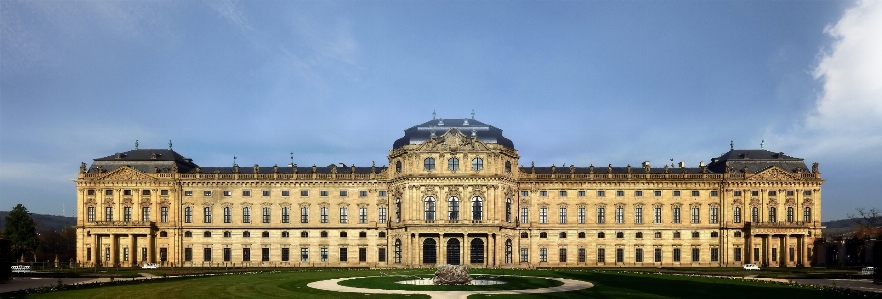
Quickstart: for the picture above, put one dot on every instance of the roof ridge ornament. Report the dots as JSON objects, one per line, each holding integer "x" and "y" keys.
{"x": 763, "y": 144}
{"x": 169, "y": 144}
{"x": 473, "y": 113}
{"x": 136, "y": 143}
{"x": 731, "y": 145}
{"x": 433, "y": 114}
{"x": 440, "y": 121}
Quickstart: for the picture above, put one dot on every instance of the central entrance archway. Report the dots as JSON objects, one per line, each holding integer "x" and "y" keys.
{"x": 430, "y": 252}
{"x": 453, "y": 257}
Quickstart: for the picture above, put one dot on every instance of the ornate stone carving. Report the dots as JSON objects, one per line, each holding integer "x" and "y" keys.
{"x": 773, "y": 173}
{"x": 126, "y": 173}
{"x": 90, "y": 202}
{"x": 125, "y": 202}
{"x": 755, "y": 202}
{"x": 145, "y": 202}
{"x": 108, "y": 201}
{"x": 452, "y": 275}
{"x": 453, "y": 141}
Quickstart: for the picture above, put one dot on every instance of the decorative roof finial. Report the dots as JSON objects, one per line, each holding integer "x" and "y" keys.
{"x": 762, "y": 144}
{"x": 292, "y": 158}
{"x": 169, "y": 144}
{"x": 234, "y": 161}
{"x": 731, "y": 144}
{"x": 473, "y": 113}
{"x": 136, "y": 144}
{"x": 433, "y": 114}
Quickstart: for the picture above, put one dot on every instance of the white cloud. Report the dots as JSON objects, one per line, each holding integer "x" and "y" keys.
{"x": 847, "y": 119}
{"x": 228, "y": 10}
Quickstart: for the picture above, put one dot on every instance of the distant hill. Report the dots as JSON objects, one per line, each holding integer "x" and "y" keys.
{"x": 842, "y": 223}
{"x": 44, "y": 222}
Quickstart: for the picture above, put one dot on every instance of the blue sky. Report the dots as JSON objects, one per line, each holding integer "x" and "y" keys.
{"x": 575, "y": 82}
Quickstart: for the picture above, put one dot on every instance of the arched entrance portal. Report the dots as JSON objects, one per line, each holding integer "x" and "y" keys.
{"x": 430, "y": 252}
{"x": 453, "y": 252}
{"x": 477, "y": 251}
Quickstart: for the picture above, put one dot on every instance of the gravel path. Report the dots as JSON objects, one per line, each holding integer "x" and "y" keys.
{"x": 333, "y": 285}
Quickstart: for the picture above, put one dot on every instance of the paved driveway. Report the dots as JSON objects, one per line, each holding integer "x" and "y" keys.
{"x": 854, "y": 284}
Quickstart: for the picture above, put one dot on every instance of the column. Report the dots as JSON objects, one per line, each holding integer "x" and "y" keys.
{"x": 767, "y": 250}
{"x": 442, "y": 250}
{"x": 151, "y": 248}
{"x": 467, "y": 248}
{"x": 800, "y": 256}
{"x": 495, "y": 251}
{"x": 96, "y": 248}
{"x": 747, "y": 256}
{"x": 133, "y": 250}
{"x": 114, "y": 250}
{"x": 487, "y": 253}
{"x": 785, "y": 250}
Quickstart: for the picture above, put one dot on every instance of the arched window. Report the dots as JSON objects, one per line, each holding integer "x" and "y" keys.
{"x": 382, "y": 235}
{"x": 562, "y": 235}
{"x": 477, "y": 164}
{"x": 477, "y": 251}
{"x": 397, "y": 251}
{"x": 620, "y": 235}
{"x": 507, "y": 166}
{"x": 508, "y": 210}
{"x": 601, "y": 235}
{"x": 163, "y": 234}
{"x": 508, "y": 249}
{"x": 715, "y": 234}
{"x": 738, "y": 234}
{"x": 304, "y": 234}
{"x": 807, "y": 214}
{"x": 264, "y": 234}
{"x": 581, "y": 235}
{"x": 206, "y": 234}
{"x": 676, "y": 235}
{"x": 477, "y": 208}
{"x": 429, "y": 163}
{"x": 285, "y": 234}
{"x": 343, "y": 235}
{"x": 228, "y": 234}
{"x": 696, "y": 235}
{"x": 362, "y": 234}
{"x": 323, "y": 234}
{"x": 398, "y": 166}
{"x": 246, "y": 234}
{"x": 188, "y": 234}
{"x": 524, "y": 235}
{"x": 543, "y": 235}
{"x": 398, "y": 210}
{"x": 453, "y": 208}
{"x": 639, "y": 235}
{"x": 430, "y": 208}
{"x": 430, "y": 251}
{"x": 453, "y": 164}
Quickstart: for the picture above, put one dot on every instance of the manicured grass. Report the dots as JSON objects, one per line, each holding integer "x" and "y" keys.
{"x": 292, "y": 284}
{"x": 512, "y": 283}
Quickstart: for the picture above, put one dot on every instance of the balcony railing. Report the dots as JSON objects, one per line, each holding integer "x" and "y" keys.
{"x": 123, "y": 223}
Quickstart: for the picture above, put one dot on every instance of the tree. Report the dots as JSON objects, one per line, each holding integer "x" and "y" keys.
{"x": 866, "y": 224}
{"x": 21, "y": 231}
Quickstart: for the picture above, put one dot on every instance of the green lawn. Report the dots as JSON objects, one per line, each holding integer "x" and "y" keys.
{"x": 292, "y": 284}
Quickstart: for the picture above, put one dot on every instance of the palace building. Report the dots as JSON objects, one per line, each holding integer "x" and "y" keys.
{"x": 453, "y": 193}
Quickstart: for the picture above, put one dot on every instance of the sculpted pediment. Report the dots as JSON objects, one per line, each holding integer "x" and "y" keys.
{"x": 126, "y": 173}
{"x": 774, "y": 173}
{"x": 452, "y": 141}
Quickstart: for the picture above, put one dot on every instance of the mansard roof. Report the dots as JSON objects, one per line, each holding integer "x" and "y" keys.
{"x": 288, "y": 169}
{"x": 755, "y": 160}
{"x": 144, "y": 160}
{"x": 615, "y": 170}
{"x": 421, "y": 133}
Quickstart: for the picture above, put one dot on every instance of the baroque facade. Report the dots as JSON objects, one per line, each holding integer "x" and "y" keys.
{"x": 453, "y": 193}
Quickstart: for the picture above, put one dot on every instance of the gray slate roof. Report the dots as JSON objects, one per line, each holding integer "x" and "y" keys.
{"x": 484, "y": 132}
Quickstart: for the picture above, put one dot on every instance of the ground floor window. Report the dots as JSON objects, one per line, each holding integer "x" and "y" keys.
{"x": 430, "y": 253}
{"x": 715, "y": 254}
{"x": 286, "y": 254}
{"x": 206, "y": 254}
{"x": 344, "y": 254}
{"x": 657, "y": 255}
{"x": 638, "y": 255}
{"x": 477, "y": 251}
{"x": 525, "y": 255}
{"x": 676, "y": 255}
{"x": 381, "y": 254}
{"x": 543, "y": 255}
{"x": 228, "y": 254}
{"x": 774, "y": 254}
{"x": 791, "y": 254}
{"x": 362, "y": 254}
{"x": 601, "y": 255}
{"x": 304, "y": 254}
{"x": 246, "y": 254}
{"x": 756, "y": 254}
{"x": 562, "y": 255}
{"x": 581, "y": 255}
{"x": 620, "y": 255}
{"x": 508, "y": 253}
{"x": 264, "y": 254}
{"x": 323, "y": 254}
{"x": 737, "y": 254}
{"x": 696, "y": 254}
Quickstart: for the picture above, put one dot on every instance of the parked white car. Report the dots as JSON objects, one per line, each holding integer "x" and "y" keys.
{"x": 150, "y": 266}
{"x": 21, "y": 269}
{"x": 751, "y": 267}
{"x": 868, "y": 271}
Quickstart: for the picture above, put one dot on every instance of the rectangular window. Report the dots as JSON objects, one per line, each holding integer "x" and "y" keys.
{"x": 774, "y": 254}
{"x": 323, "y": 193}
{"x": 657, "y": 193}
{"x": 638, "y": 193}
{"x": 543, "y": 215}
{"x": 90, "y": 192}
{"x": 304, "y": 192}
{"x": 736, "y": 255}
{"x": 228, "y": 254}
{"x": 344, "y": 193}
{"x": 657, "y": 255}
{"x": 108, "y": 192}
{"x": 562, "y": 255}
{"x": 163, "y": 214}
{"x": 266, "y": 215}
{"x": 362, "y": 254}
{"x": 695, "y": 193}
{"x": 304, "y": 254}
{"x": 676, "y": 255}
{"x": 188, "y": 254}
{"x": 601, "y": 193}
{"x": 127, "y": 192}
{"x": 714, "y": 217}
{"x": 791, "y": 253}
{"x": 756, "y": 254}
{"x": 581, "y": 193}
{"x": 382, "y": 215}
{"x": 620, "y": 255}
{"x": 638, "y": 255}
{"x": 581, "y": 255}
{"x": 620, "y": 215}
{"x": 657, "y": 215}
{"x": 127, "y": 214}
{"x": 145, "y": 214}
{"x": 163, "y": 192}
{"x": 145, "y": 192}
{"x": 228, "y": 193}
{"x": 715, "y": 254}
{"x": 108, "y": 214}
{"x": 695, "y": 215}
{"x": 344, "y": 215}
{"x": 188, "y": 193}
{"x": 246, "y": 215}
{"x": 525, "y": 193}
{"x": 696, "y": 254}
{"x": 285, "y": 215}
{"x": 382, "y": 193}
{"x": 381, "y": 254}
{"x": 304, "y": 215}
{"x": 206, "y": 193}
{"x": 563, "y": 215}
{"x": 676, "y": 193}
{"x": 323, "y": 254}
{"x": 206, "y": 254}
{"x": 246, "y": 193}
{"x": 601, "y": 215}
{"x": 525, "y": 255}
{"x": 525, "y": 213}
{"x": 754, "y": 193}
{"x": 736, "y": 215}
{"x": 736, "y": 193}
{"x": 714, "y": 193}
{"x": 362, "y": 193}
{"x": 562, "y": 193}
{"x": 126, "y": 254}
{"x": 362, "y": 215}
{"x": 638, "y": 215}
{"x": 620, "y": 193}
{"x": 344, "y": 254}
{"x": 91, "y": 214}
{"x": 207, "y": 215}
{"x": 543, "y": 193}
{"x": 143, "y": 254}
{"x": 286, "y": 193}
{"x": 773, "y": 193}
{"x": 581, "y": 215}
{"x": 286, "y": 254}
{"x": 807, "y": 193}
{"x": 543, "y": 255}
{"x": 601, "y": 255}
{"x": 676, "y": 215}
